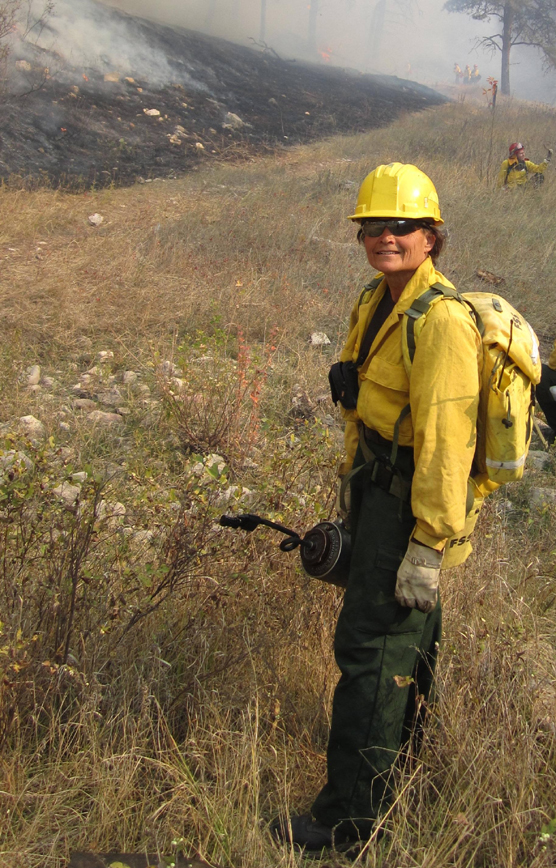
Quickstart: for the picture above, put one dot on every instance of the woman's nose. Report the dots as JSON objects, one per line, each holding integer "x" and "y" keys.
{"x": 386, "y": 234}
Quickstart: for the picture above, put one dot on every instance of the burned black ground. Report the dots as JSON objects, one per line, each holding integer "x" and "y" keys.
{"x": 79, "y": 128}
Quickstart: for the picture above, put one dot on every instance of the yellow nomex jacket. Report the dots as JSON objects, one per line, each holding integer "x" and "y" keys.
{"x": 443, "y": 395}
{"x": 516, "y": 176}
{"x": 552, "y": 359}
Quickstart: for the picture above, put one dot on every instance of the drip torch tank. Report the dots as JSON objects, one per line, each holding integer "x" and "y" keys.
{"x": 325, "y": 550}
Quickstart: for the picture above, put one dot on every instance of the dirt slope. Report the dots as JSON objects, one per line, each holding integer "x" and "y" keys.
{"x": 90, "y": 123}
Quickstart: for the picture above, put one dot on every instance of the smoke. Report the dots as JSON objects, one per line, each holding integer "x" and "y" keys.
{"x": 413, "y": 39}
{"x": 417, "y": 39}
{"x": 89, "y": 35}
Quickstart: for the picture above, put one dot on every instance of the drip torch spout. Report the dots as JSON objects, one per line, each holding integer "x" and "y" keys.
{"x": 249, "y": 522}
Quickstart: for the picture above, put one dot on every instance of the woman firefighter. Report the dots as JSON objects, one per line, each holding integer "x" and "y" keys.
{"x": 409, "y": 446}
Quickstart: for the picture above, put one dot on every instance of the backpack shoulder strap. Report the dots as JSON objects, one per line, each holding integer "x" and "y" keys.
{"x": 368, "y": 289}
{"x": 420, "y": 307}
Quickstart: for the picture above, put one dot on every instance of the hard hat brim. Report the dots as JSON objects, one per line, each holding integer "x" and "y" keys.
{"x": 395, "y": 215}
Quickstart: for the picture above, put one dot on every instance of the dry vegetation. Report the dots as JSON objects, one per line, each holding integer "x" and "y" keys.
{"x": 166, "y": 684}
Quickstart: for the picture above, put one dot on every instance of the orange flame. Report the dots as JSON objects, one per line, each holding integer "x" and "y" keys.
{"x": 326, "y": 54}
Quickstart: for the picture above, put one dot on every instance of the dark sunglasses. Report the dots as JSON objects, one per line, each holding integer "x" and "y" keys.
{"x": 375, "y": 228}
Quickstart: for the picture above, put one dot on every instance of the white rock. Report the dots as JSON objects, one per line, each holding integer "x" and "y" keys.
{"x": 63, "y": 426}
{"x": 538, "y": 460}
{"x": 106, "y": 419}
{"x": 106, "y": 509}
{"x": 152, "y": 113}
{"x": 33, "y": 375}
{"x": 112, "y": 397}
{"x": 32, "y": 427}
{"x": 169, "y": 369}
{"x": 14, "y": 459}
{"x": 215, "y": 461}
{"x": 80, "y": 477}
{"x": 105, "y": 355}
{"x": 319, "y": 339}
{"x": 228, "y": 494}
{"x": 96, "y": 219}
{"x": 233, "y": 121}
{"x": 67, "y": 493}
{"x": 143, "y": 536}
{"x": 542, "y": 496}
{"x": 92, "y": 372}
{"x": 129, "y": 378}
{"x": 48, "y": 382}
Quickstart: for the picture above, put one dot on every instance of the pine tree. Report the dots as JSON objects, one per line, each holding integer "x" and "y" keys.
{"x": 520, "y": 22}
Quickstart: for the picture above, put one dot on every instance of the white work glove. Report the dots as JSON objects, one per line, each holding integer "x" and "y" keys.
{"x": 344, "y": 511}
{"x": 418, "y": 575}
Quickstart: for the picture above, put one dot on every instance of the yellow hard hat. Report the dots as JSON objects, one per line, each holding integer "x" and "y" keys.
{"x": 397, "y": 190}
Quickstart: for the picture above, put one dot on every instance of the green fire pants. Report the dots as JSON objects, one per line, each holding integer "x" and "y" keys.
{"x": 376, "y": 640}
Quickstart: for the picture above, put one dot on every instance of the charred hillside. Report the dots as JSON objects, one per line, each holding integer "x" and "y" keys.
{"x": 161, "y": 100}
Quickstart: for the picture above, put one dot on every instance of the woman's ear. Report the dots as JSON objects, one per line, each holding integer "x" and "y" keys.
{"x": 431, "y": 239}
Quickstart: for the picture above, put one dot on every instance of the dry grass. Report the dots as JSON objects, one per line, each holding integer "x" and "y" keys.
{"x": 189, "y": 701}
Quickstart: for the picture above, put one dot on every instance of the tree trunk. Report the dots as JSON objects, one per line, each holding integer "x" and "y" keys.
{"x": 506, "y": 46}
{"x": 312, "y": 35}
{"x": 262, "y": 34}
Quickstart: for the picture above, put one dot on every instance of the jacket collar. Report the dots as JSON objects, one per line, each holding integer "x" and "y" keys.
{"x": 420, "y": 281}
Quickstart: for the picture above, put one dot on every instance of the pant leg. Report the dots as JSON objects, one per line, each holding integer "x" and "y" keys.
{"x": 545, "y": 399}
{"x": 376, "y": 640}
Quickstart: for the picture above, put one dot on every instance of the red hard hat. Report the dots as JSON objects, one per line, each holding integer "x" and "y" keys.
{"x": 515, "y": 146}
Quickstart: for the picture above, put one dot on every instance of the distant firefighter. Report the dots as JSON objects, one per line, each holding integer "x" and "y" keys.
{"x": 467, "y": 75}
{"x": 516, "y": 170}
{"x": 458, "y": 73}
{"x": 475, "y": 74}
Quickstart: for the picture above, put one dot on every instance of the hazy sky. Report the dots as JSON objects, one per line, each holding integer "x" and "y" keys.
{"x": 416, "y": 32}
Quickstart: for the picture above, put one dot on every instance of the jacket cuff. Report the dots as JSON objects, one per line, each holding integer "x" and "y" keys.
{"x": 432, "y": 542}
{"x": 345, "y": 467}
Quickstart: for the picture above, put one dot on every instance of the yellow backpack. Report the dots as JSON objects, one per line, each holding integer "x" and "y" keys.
{"x": 511, "y": 369}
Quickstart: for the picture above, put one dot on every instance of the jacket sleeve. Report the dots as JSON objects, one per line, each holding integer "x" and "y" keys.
{"x": 534, "y": 167}
{"x": 501, "y": 180}
{"x": 351, "y": 430}
{"x": 444, "y": 399}
{"x": 552, "y": 359}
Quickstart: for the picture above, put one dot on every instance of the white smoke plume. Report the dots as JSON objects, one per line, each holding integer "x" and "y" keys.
{"x": 86, "y": 34}
{"x": 413, "y": 39}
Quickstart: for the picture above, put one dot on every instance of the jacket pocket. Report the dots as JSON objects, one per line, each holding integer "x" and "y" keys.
{"x": 388, "y": 375}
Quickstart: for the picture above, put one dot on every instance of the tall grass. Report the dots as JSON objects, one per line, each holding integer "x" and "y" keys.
{"x": 166, "y": 683}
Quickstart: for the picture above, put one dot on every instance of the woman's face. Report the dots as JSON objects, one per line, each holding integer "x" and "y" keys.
{"x": 397, "y": 255}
